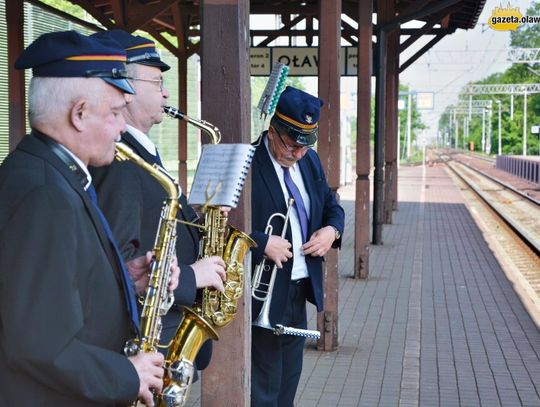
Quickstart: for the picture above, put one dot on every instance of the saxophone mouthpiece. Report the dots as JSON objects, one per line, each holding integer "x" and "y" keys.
{"x": 174, "y": 112}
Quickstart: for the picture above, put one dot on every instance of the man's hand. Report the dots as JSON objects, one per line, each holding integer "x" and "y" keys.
{"x": 139, "y": 270}
{"x": 224, "y": 210}
{"x": 320, "y": 242}
{"x": 210, "y": 272}
{"x": 278, "y": 250}
{"x": 175, "y": 275}
{"x": 149, "y": 367}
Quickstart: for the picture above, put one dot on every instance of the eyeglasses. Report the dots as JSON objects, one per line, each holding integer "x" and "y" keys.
{"x": 159, "y": 81}
{"x": 291, "y": 149}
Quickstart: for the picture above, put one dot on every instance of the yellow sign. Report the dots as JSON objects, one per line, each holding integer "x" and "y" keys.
{"x": 505, "y": 19}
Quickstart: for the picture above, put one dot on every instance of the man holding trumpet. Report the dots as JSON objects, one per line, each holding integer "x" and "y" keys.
{"x": 285, "y": 167}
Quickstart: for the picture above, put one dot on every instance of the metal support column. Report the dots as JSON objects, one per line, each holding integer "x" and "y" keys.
{"x": 395, "y": 150}
{"x": 363, "y": 129}
{"x": 381, "y": 94}
{"x": 390, "y": 135}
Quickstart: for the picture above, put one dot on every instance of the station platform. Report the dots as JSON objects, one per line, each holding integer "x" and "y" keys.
{"x": 437, "y": 323}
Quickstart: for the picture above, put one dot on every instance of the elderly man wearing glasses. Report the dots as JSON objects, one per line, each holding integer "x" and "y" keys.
{"x": 132, "y": 199}
{"x": 285, "y": 166}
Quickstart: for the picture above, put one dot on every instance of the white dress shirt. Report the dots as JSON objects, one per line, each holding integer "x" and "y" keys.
{"x": 81, "y": 164}
{"x": 299, "y": 269}
{"x": 143, "y": 139}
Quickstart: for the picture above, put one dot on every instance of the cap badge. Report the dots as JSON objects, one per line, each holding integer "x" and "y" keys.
{"x": 308, "y": 119}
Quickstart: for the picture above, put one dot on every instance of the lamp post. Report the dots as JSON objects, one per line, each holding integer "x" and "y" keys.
{"x": 409, "y": 123}
{"x": 488, "y": 138}
{"x": 499, "y": 150}
{"x": 484, "y": 129}
{"x": 525, "y": 123}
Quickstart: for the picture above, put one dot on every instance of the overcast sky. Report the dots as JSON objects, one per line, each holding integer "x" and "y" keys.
{"x": 466, "y": 55}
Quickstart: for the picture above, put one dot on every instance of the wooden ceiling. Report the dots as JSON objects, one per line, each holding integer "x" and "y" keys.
{"x": 180, "y": 19}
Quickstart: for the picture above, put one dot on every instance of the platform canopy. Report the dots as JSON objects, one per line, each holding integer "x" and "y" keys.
{"x": 181, "y": 18}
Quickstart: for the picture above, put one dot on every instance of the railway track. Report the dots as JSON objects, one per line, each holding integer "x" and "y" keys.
{"x": 513, "y": 217}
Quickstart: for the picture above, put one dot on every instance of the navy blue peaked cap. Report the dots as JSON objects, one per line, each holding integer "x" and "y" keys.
{"x": 300, "y": 112}
{"x": 68, "y": 54}
{"x": 139, "y": 50}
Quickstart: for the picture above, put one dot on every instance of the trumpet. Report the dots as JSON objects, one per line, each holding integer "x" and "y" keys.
{"x": 263, "y": 291}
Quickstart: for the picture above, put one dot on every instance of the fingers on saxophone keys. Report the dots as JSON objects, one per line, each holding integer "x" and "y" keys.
{"x": 156, "y": 382}
{"x": 220, "y": 261}
{"x": 220, "y": 267}
{"x": 147, "y": 398}
{"x": 218, "y": 285}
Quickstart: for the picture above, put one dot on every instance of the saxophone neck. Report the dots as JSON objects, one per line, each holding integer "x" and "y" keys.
{"x": 212, "y": 131}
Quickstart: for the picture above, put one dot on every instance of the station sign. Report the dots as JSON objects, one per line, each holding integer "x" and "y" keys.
{"x": 425, "y": 100}
{"x": 302, "y": 61}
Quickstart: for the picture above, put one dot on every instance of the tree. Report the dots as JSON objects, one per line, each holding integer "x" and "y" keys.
{"x": 416, "y": 122}
{"x": 67, "y": 7}
{"x": 527, "y": 35}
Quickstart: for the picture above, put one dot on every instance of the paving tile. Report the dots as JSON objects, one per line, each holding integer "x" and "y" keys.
{"x": 436, "y": 323}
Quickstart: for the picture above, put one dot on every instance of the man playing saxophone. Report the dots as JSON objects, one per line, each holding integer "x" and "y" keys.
{"x": 132, "y": 199}
{"x": 61, "y": 275}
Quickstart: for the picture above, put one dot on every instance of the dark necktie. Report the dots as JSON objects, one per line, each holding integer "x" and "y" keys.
{"x": 126, "y": 280}
{"x": 298, "y": 202}
{"x": 158, "y": 159}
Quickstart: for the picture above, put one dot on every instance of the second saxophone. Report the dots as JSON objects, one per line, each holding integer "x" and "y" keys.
{"x": 215, "y": 309}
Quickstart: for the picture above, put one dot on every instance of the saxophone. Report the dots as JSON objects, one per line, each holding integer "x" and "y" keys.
{"x": 215, "y": 309}
{"x": 158, "y": 299}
